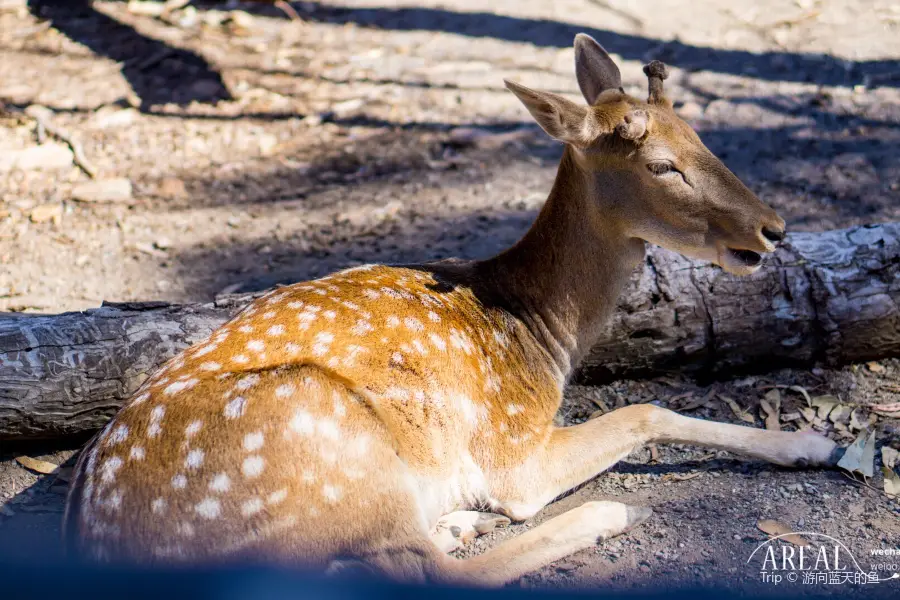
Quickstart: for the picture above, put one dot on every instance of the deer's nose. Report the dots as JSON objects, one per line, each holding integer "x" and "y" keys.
{"x": 773, "y": 235}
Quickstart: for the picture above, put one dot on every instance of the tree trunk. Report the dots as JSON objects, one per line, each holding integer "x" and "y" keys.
{"x": 826, "y": 297}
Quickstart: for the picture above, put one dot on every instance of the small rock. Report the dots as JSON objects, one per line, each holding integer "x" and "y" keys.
{"x": 267, "y": 144}
{"x": 46, "y": 212}
{"x": 172, "y": 187}
{"x": 45, "y": 157}
{"x": 103, "y": 190}
{"x": 345, "y": 108}
{"x": 112, "y": 117}
{"x": 163, "y": 243}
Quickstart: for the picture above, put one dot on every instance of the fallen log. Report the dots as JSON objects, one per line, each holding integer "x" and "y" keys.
{"x": 828, "y": 298}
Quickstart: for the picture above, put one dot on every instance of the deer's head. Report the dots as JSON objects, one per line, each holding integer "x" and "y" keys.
{"x": 646, "y": 171}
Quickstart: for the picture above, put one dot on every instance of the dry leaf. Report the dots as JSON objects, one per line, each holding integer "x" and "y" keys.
{"x": 776, "y": 528}
{"x": 791, "y": 416}
{"x": 802, "y": 391}
{"x": 875, "y": 367}
{"x": 769, "y": 414}
{"x": 808, "y": 413}
{"x": 737, "y": 410}
{"x": 891, "y": 482}
{"x": 824, "y": 405}
{"x": 856, "y": 424}
{"x": 839, "y": 414}
{"x": 33, "y": 464}
{"x": 860, "y": 456}
{"x": 889, "y": 457}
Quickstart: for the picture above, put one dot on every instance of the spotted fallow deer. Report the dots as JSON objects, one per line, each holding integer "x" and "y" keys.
{"x": 369, "y": 415}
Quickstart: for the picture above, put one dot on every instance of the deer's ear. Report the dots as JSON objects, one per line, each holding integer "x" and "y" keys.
{"x": 561, "y": 118}
{"x": 595, "y": 70}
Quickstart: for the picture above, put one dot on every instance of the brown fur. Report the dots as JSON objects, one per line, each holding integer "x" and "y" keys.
{"x": 343, "y": 418}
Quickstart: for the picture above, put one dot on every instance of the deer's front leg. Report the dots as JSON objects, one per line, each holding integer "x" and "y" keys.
{"x": 576, "y": 454}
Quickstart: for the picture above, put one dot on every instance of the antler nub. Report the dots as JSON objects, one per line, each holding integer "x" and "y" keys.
{"x": 656, "y": 73}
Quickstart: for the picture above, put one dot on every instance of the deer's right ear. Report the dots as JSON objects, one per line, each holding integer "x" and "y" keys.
{"x": 595, "y": 70}
{"x": 561, "y": 118}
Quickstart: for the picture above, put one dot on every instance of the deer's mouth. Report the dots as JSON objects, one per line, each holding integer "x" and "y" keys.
{"x": 747, "y": 258}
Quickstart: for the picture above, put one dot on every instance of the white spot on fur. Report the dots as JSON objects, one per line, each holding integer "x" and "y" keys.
{"x": 434, "y": 316}
{"x": 393, "y": 321}
{"x": 253, "y": 441}
{"x": 179, "y": 482}
{"x": 240, "y": 359}
{"x": 332, "y": 493}
{"x": 118, "y": 435}
{"x": 277, "y": 497}
{"x": 141, "y": 399}
{"x": 179, "y": 386}
{"x": 158, "y": 506}
{"x": 245, "y": 329}
{"x": 291, "y": 348}
{"x": 284, "y": 390}
{"x": 302, "y": 422}
{"x": 253, "y": 466}
{"x": 514, "y": 409}
{"x": 397, "y": 358}
{"x": 194, "y": 459}
{"x": 438, "y": 341}
{"x": 269, "y": 314}
{"x": 371, "y": 294}
{"x": 210, "y": 366}
{"x": 236, "y": 408}
{"x": 330, "y": 315}
{"x": 192, "y": 429}
{"x": 110, "y": 468}
{"x": 413, "y": 324}
{"x": 275, "y": 330}
{"x": 245, "y": 383}
{"x": 361, "y": 327}
{"x": 328, "y": 428}
{"x": 420, "y": 347}
{"x": 220, "y": 483}
{"x": 256, "y": 346}
{"x": 323, "y": 341}
{"x": 204, "y": 350}
{"x": 295, "y": 304}
{"x": 251, "y": 507}
{"x": 137, "y": 453}
{"x": 209, "y": 508}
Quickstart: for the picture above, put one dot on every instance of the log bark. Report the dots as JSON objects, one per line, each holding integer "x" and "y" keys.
{"x": 828, "y": 298}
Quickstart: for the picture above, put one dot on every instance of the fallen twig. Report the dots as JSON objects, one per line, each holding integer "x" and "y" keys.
{"x": 43, "y": 116}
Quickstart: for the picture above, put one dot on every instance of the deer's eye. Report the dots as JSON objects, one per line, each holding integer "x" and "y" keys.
{"x": 661, "y": 168}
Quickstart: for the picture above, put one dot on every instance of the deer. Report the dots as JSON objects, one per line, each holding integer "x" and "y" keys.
{"x": 383, "y": 416}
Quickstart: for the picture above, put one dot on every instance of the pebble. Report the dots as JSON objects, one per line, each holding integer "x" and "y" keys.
{"x": 103, "y": 190}
{"x": 172, "y": 187}
{"x": 46, "y": 212}
{"x": 112, "y": 118}
{"x": 45, "y": 157}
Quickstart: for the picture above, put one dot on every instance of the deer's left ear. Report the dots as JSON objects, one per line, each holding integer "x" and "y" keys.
{"x": 594, "y": 68}
{"x": 562, "y": 119}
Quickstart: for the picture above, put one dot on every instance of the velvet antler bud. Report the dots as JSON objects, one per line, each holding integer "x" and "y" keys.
{"x": 656, "y": 73}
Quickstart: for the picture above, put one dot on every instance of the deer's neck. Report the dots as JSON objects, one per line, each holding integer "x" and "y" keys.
{"x": 564, "y": 276}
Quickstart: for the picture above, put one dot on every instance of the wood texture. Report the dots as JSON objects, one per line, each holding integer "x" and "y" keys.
{"x": 828, "y": 298}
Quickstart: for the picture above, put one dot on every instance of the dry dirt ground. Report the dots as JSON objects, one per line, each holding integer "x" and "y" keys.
{"x": 234, "y": 150}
